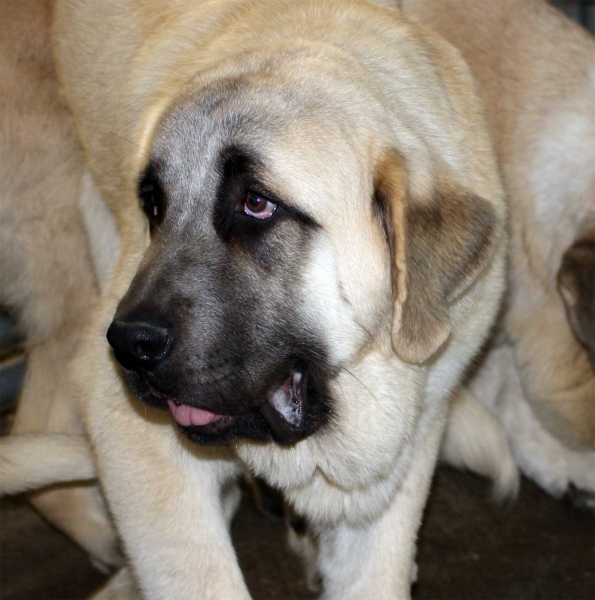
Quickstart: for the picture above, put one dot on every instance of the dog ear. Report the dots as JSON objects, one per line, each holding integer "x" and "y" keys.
{"x": 438, "y": 247}
{"x": 576, "y": 284}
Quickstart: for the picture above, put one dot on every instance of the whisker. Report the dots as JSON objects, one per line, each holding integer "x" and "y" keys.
{"x": 130, "y": 142}
{"x": 371, "y": 338}
{"x": 361, "y": 382}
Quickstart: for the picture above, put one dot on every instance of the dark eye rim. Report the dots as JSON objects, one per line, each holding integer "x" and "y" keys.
{"x": 241, "y": 170}
{"x": 152, "y": 196}
{"x": 283, "y": 208}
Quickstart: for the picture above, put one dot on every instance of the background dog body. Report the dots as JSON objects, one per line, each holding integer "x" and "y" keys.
{"x": 364, "y": 479}
{"x": 536, "y": 74}
{"x": 47, "y": 275}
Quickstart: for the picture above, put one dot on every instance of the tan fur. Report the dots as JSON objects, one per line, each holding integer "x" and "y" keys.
{"x": 473, "y": 439}
{"x": 31, "y": 461}
{"x": 46, "y": 274}
{"x": 536, "y": 75}
{"x": 363, "y": 480}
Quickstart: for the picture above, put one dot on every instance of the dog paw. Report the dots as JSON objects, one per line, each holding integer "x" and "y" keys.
{"x": 583, "y": 499}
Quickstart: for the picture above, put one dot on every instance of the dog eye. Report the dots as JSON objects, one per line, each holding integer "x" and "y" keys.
{"x": 152, "y": 200}
{"x": 258, "y": 207}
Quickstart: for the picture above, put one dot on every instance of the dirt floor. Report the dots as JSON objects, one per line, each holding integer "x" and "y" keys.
{"x": 470, "y": 548}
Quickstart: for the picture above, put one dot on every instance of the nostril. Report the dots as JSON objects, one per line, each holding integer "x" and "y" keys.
{"x": 147, "y": 340}
{"x": 138, "y": 344}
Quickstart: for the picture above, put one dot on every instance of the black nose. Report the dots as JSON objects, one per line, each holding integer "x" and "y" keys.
{"x": 138, "y": 344}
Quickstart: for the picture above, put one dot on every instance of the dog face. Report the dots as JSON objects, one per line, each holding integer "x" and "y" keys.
{"x": 217, "y": 323}
{"x": 214, "y": 318}
{"x": 283, "y": 246}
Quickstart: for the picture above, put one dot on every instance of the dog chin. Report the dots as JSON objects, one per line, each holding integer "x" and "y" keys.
{"x": 225, "y": 431}
{"x": 292, "y": 411}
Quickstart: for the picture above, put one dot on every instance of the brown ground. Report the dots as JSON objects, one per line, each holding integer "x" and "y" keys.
{"x": 470, "y": 549}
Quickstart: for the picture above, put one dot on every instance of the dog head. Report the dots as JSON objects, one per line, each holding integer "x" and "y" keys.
{"x": 301, "y": 222}
{"x": 250, "y": 183}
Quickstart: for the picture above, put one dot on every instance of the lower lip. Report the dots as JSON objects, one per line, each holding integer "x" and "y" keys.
{"x": 188, "y": 416}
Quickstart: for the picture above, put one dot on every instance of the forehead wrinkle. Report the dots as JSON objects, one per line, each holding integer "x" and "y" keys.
{"x": 187, "y": 148}
{"x": 194, "y": 132}
{"x": 321, "y": 182}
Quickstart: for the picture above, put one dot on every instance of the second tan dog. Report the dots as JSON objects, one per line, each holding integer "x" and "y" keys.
{"x": 536, "y": 74}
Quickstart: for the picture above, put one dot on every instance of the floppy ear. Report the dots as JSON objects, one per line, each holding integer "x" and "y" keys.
{"x": 438, "y": 247}
{"x": 576, "y": 284}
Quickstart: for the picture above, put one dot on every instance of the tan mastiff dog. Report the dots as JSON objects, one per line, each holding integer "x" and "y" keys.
{"x": 536, "y": 74}
{"x": 319, "y": 255}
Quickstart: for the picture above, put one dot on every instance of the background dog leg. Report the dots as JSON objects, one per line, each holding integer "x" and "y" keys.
{"x": 24, "y": 461}
{"x": 539, "y": 454}
{"x": 474, "y": 439}
{"x": 377, "y": 560}
{"x": 48, "y": 404}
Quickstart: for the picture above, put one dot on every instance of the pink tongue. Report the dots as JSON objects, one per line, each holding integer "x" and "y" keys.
{"x": 186, "y": 415}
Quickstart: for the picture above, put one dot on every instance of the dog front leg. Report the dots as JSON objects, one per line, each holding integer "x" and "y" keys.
{"x": 166, "y": 500}
{"x": 377, "y": 560}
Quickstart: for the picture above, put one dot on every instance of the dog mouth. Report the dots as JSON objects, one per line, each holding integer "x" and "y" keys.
{"x": 283, "y": 411}
{"x": 190, "y": 416}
